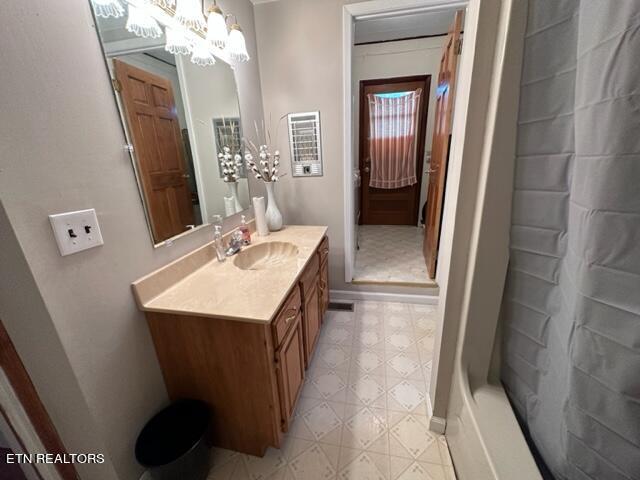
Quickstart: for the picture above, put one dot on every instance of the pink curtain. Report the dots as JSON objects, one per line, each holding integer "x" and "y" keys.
{"x": 393, "y": 123}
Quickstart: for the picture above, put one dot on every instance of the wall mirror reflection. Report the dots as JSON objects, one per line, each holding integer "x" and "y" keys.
{"x": 179, "y": 115}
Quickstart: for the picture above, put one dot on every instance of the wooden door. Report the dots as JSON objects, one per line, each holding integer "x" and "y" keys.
{"x": 290, "y": 371}
{"x": 398, "y": 206}
{"x": 150, "y": 112}
{"x": 441, "y": 142}
{"x": 16, "y": 374}
{"x": 311, "y": 320}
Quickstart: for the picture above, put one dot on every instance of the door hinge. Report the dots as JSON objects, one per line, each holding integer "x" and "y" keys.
{"x": 117, "y": 86}
{"x": 458, "y": 47}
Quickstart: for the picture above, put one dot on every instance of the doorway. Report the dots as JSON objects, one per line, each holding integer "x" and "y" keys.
{"x": 405, "y": 84}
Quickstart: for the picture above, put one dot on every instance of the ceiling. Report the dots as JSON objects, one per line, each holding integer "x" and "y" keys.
{"x": 408, "y": 25}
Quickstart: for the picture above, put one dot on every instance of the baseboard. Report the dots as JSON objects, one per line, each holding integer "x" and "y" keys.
{"x": 383, "y": 297}
{"x": 436, "y": 424}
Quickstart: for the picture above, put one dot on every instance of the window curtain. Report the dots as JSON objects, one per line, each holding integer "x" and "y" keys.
{"x": 571, "y": 310}
{"x": 393, "y": 121}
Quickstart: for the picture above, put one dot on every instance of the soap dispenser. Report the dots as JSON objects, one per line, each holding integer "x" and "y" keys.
{"x": 218, "y": 244}
{"x": 244, "y": 229}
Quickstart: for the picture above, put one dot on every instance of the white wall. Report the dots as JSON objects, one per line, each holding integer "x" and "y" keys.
{"x": 398, "y": 59}
{"x": 303, "y": 75}
{"x": 73, "y": 319}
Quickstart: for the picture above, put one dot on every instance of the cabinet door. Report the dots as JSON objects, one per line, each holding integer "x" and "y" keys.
{"x": 290, "y": 369}
{"x": 311, "y": 320}
{"x": 324, "y": 288}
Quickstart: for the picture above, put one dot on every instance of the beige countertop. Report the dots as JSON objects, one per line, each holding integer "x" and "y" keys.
{"x": 197, "y": 284}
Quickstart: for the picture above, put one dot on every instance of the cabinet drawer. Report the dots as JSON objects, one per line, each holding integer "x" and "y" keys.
{"x": 323, "y": 250}
{"x": 310, "y": 274}
{"x": 286, "y": 317}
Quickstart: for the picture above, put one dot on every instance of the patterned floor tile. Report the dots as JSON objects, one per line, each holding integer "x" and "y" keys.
{"x": 401, "y": 342}
{"x": 332, "y": 357}
{"x": 360, "y": 465}
{"x": 404, "y": 469}
{"x": 318, "y": 421}
{"x": 409, "y": 437}
{"x": 319, "y": 462}
{"x": 406, "y": 395}
{"x": 362, "y": 411}
{"x": 372, "y": 339}
{"x": 366, "y": 428}
{"x": 326, "y": 384}
{"x": 367, "y": 390}
{"x": 404, "y": 365}
{"x": 391, "y": 253}
{"x": 365, "y": 361}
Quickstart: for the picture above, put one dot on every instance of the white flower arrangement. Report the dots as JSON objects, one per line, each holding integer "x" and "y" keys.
{"x": 231, "y": 164}
{"x": 261, "y": 161}
{"x": 267, "y": 170}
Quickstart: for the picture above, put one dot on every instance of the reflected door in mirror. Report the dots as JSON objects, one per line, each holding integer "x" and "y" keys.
{"x": 150, "y": 111}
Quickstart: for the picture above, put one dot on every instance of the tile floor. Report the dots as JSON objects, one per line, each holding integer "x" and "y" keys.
{"x": 390, "y": 253}
{"x": 362, "y": 413}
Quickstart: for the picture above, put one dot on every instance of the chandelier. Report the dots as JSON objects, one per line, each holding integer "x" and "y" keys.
{"x": 187, "y": 31}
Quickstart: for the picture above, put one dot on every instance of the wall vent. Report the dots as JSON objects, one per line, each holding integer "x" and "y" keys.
{"x": 305, "y": 144}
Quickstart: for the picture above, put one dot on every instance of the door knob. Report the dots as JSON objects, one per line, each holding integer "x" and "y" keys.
{"x": 432, "y": 170}
{"x": 186, "y": 175}
{"x": 367, "y": 169}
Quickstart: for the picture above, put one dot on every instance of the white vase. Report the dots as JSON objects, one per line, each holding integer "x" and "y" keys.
{"x": 274, "y": 217}
{"x": 233, "y": 193}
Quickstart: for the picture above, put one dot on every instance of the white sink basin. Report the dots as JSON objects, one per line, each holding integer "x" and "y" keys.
{"x": 266, "y": 255}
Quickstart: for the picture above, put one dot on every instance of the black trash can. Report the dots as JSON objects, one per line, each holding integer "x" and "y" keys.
{"x": 174, "y": 444}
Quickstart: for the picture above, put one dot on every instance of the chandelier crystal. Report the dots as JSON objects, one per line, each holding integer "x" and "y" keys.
{"x": 177, "y": 41}
{"x": 236, "y": 44}
{"x": 189, "y": 13}
{"x": 140, "y": 21}
{"x": 202, "y": 55}
{"x": 217, "y": 28}
{"x": 108, "y": 8}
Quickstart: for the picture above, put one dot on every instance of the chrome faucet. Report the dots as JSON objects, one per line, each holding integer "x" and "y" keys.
{"x": 235, "y": 243}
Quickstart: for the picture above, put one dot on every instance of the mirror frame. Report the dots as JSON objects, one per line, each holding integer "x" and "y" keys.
{"x": 128, "y": 146}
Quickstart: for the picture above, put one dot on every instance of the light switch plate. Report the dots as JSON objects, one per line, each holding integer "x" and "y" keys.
{"x": 76, "y": 231}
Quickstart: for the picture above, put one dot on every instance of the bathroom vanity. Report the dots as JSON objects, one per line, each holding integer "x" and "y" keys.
{"x": 239, "y": 335}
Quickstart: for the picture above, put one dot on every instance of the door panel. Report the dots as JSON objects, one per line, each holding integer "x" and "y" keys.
{"x": 311, "y": 320}
{"x": 151, "y": 116}
{"x": 290, "y": 372}
{"x": 324, "y": 288}
{"x": 398, "y": 206}
{"x": 441, "y": 142}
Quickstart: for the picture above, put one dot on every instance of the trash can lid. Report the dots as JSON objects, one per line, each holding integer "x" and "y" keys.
{"x": 172, "y": 432}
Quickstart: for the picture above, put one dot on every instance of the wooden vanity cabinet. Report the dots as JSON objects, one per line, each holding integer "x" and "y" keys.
{"x": 249, "y": 373}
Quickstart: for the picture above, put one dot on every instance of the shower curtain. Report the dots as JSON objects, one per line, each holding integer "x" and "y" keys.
{"x": 393, "y": 123}
{"x": 571, "y": 309}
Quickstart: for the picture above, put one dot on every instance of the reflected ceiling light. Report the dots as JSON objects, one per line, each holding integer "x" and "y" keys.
{"x": 202, "y": 55}
{"x": 108, "y": 8}
{"x": 189, "y": 13}
{"x": 177, "y": 41}
{"x": 216, "y": 28}
{"x": 140, "y": 21}
{"x": 236, "y": 45}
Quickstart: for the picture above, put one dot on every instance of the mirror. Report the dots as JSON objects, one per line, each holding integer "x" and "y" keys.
{"x": 178, "y": 118}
